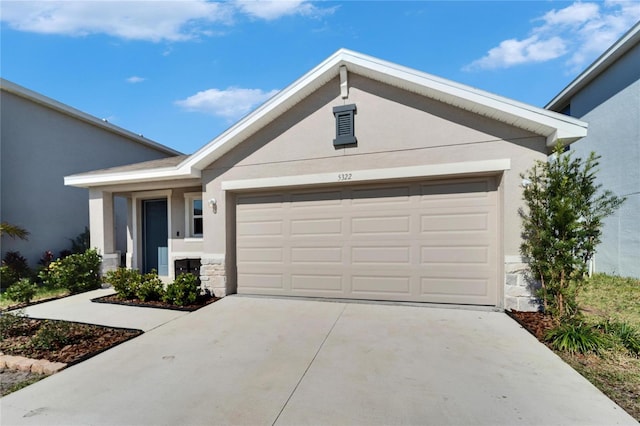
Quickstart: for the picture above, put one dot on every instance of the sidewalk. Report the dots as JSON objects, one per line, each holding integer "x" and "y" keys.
{"x": 79, "y": 308}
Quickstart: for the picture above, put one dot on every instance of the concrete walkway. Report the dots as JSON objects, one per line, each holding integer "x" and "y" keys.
{"x": 261, "y": 361}
{"x": 79, "y": 308}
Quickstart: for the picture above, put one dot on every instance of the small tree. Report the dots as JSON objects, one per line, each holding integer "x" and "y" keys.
{"x": 562, "y": 225}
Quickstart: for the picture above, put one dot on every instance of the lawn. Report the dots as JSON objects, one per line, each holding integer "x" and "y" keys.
{"x": 44, "y": 293}
{"x": 616, "y": 372}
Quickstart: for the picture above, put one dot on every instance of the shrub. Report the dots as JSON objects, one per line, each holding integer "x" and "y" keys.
{"x": 183, "y": 291}
{"x": 13, "y": 324}
{"x": 81, "y": 243}
{"x": 124, "y": 281}
{"x": 576, "y": 336}
{"x": 22, "y": 291}
{"x": 14, "y": 268}
{"x": 76, "y": 272}
{"x": 627, "y": 335}
{"x": 151, "y": 287}
{"x": 562, "y": 225}
{"x": 52, "y": 335}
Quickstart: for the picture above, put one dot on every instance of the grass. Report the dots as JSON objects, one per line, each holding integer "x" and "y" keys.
{"x": 615, "y": 372}
{"x": 42, "y": 294}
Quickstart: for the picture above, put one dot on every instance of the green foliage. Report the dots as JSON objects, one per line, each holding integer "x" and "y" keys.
{"x": 13, "y": 231}
{"x": 183, "y": 291}
{"x": 576, "y": 336}
{"x": 13, "y": 324}
{"x": 124, "y": 281}
{"x": 624, "y": 334}
{"x": 52, "y": 335}
{"x": 22, "y": 291}
{"x": 77, "y": 272}
{"x": 81, "y": 243}
{"x": 14, "y": 268}
{"x": 151, "y": 287}
{"x": 562, "y": 226}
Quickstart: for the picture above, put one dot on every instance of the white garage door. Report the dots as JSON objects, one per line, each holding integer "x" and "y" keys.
{"x": 417, "y": 241}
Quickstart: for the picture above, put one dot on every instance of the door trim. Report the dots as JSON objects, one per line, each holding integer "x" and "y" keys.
{"x": 137, "y": 198}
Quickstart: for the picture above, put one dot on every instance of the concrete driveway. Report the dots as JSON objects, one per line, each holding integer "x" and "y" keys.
{"x": 263, "y": 361}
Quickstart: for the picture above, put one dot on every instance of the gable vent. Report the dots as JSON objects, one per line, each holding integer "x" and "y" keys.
{"x": 345, "y": 132}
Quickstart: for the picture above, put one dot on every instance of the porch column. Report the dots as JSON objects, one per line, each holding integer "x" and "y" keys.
{"x": 102, "y": 228}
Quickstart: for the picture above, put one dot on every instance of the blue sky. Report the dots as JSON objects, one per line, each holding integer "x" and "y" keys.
{"x": 181, "y": 72}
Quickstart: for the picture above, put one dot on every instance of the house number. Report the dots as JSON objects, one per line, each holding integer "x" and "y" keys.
{"x": 344, "y": 176}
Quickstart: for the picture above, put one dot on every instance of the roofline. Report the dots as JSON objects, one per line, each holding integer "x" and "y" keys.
{"x": 151, "y": 175}
{"x": 560, "y": 127}
{"x": 23, "y": 92}
{"x": 611, "y": 55}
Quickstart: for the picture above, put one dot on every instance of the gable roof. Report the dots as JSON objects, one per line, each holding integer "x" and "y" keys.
{"x": 611, "y": 55}
{"x": 23, "y": 92}
{"x": 549, "y": 124}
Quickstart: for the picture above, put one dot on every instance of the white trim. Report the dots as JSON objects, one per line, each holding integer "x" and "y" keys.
{"x": 165, "y": 173}
{"x": 188, "y": 215}
{"x": 612, "y": 54}
{"x": 187, "y": 254}
{"x": 354, "y": 176}
{"x": 137, "y": 233}
{"x": 193, "y": 240}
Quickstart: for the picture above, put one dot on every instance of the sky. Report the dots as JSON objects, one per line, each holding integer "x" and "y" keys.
{"x": 181, "y": 72}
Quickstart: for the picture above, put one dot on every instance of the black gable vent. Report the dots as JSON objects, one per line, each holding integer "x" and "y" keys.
{"x": 345, "y": 132}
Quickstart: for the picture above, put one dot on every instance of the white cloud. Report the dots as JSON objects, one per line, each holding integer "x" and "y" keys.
{"x": 135, "y": 79}
{"x": 579, "y": 33}
{"x": 231, "y": 103}
{"x": 274, "y": 9}
{"x": 150, "y": 20}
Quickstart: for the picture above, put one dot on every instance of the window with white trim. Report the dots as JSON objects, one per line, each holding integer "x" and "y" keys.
{"x": 193, "y": 214}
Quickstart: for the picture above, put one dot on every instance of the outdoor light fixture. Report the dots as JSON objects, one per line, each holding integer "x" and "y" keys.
{"x": 213, "y": 204}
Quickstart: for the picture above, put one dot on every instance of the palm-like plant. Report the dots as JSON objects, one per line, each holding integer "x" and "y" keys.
{"x": 13, "y": 231}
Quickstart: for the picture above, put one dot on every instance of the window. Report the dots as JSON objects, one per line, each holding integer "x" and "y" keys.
{"x": 193, "y": 215}
{"x": 345, "y": 131}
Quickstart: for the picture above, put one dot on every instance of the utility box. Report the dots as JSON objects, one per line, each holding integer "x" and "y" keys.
{"x": 186, "y": 266}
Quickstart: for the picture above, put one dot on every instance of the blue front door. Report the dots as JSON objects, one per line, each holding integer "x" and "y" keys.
{"x": 155, "y": 236}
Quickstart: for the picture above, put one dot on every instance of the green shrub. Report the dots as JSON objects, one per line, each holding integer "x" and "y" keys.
{"x": 624, "y": 333}
{"x": 13, "y": 324}
{"x": 52, "y": 335}
{"x": 125, "y": 282}
{"x": 576, "y": 336}
{"x": 183, "y": 291}
{"x": 151, "y": 287}
{"x": 76, "y": 272}
{"x": 22, "y": 291}
{"x": 14, "y": 268}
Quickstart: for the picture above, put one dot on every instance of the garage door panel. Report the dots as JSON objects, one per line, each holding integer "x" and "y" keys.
{"x": 260, "y": 228}
{"x": 381, "y": 225}
{"x": 316, "y": 227}
{"x": 260, "y": 254}
{"x": 324, "y": 255}
{"x": 374, "y": 284}
{"x": 460, "y": 255}
{"x": 375, "y": 255}
{"x": 413, "y": 241}
{"x": 317, "y": 283}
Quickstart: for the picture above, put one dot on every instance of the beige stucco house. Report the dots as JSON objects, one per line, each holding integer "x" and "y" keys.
{"x": 363, "y": 179}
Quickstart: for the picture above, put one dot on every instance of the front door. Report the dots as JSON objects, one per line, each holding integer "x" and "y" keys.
{"x": 155, "y": 236}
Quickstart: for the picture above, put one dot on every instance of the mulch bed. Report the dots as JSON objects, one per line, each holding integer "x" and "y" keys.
{"x": 82, "y": 341}
{"x": 536, "y": 323}
{"x": 117, "y": 300}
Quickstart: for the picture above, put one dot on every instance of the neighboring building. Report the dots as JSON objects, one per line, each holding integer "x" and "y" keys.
{"x": 363, "y": 179}
{"x": 41, "y": 141}
{"x": 607, "y": 96}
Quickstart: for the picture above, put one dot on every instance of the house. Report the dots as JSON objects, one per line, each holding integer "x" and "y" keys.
{"x": 363, "y": 179}
{"x": 42, "y": 141}
{"x": 607, "y": 96}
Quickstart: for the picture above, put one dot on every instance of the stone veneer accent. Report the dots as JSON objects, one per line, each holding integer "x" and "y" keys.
{"x": 213, "y": 276}
{"x": 518, "y": 290}
{"x": 110, "y": 262}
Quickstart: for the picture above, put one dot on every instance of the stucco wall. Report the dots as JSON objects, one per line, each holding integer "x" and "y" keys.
{"x": 611, "y": 106}
{"x": 394, "y": 128}
{"x": 39, "y": 146}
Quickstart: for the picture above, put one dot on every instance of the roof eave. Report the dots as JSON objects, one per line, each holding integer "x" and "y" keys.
{"x": 153, "y": 175}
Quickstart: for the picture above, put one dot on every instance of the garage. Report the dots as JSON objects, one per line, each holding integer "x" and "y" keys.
{"x": 418, "y": 241}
